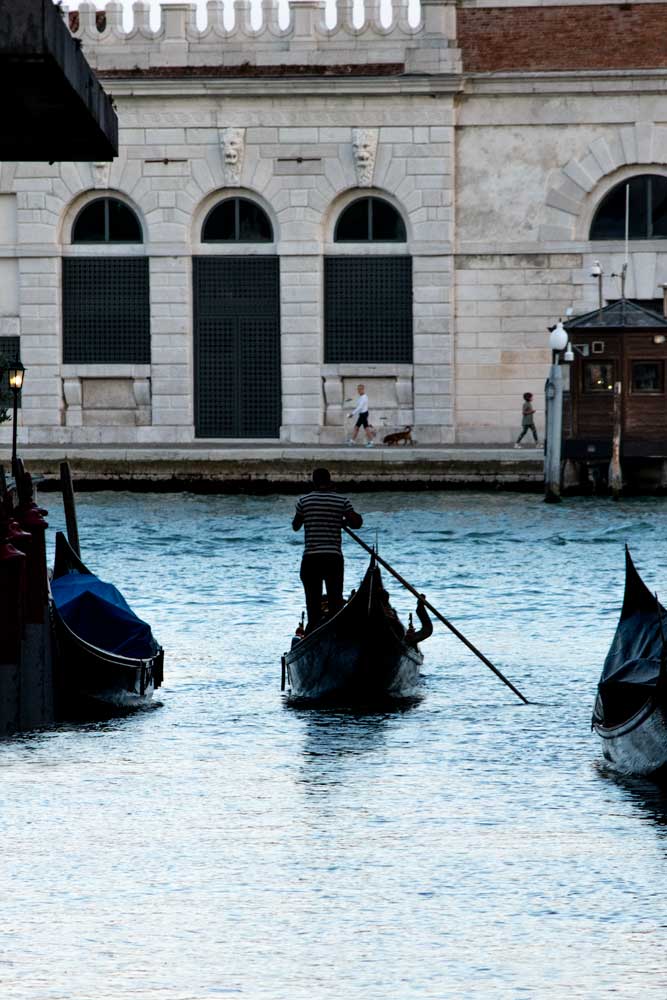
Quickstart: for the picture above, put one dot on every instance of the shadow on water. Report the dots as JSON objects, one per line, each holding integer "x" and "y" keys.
{"x": 335, "y": 738}
{"x": 648, "y": 795}
{"x": 98, "y": 714}
{"x": 98, "y": 723}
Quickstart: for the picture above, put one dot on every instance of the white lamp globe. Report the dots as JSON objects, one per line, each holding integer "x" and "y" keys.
{"x": 558, "y": 338}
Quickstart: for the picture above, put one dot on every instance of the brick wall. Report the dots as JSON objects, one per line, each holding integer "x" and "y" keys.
{"x": 607, "y": 36}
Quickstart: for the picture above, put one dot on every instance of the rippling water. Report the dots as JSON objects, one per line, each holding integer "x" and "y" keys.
{"x": 223, "y": 844}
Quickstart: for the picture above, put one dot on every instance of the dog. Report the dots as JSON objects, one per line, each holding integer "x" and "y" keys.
{"x": 404, "y": 435}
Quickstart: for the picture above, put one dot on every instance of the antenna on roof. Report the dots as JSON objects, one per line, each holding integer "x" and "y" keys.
{"x": 627, "y": 236}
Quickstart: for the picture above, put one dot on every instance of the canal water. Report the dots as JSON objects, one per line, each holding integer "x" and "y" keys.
{"x": 225, "y": 845}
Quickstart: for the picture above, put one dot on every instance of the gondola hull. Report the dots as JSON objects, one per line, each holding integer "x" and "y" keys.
{"x": 92, "y": 680}
{"x": 639, "y": 746}
{"x": 359, "y": 656}
{"x": 630, "y": 713}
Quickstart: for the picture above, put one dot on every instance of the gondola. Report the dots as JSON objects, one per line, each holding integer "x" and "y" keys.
{"x": 358, "y": 656}
{"x": 107, "y": 657}
{"x": 630, "y": 714}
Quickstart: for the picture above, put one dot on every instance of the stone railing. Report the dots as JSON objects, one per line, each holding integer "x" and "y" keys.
{"x": 307, "y": 41}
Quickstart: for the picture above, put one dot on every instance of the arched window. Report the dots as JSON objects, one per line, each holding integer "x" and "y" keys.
{"x": 106, "y": 297}
{"x": 370, "y": 220}
{"x": 368, "y": 297}
{"x": 106, "y": 220}
{"x": 648, "y": 210}
{"x": 237, "y": 220}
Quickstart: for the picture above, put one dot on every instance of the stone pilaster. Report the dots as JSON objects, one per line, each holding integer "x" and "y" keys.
{"x": 302, "y": 335}
{"x": 171, "y": 350}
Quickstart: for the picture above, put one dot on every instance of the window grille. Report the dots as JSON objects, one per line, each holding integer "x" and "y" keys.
{"x": 237, "y": 347}
{"x": 368, "y": 310}
{"x": 106, "y": 310}
{"x": 10, "y": 348}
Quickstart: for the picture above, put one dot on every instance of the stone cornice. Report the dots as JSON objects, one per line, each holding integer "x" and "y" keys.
{"x": 286, "y": 86}
{"x": 566, "y": 82}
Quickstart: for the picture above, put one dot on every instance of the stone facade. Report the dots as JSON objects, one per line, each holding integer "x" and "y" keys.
{"x": 495, "y": 166}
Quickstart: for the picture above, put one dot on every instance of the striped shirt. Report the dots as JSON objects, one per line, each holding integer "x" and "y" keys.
{"x": 323, "y": 513}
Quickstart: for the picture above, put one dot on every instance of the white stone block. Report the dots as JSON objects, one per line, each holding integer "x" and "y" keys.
{"x": 9, "y": 287}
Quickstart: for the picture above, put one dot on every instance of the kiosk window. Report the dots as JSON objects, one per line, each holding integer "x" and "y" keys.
{"x": 598, "y": 376}
{"x": 647, "y": 376}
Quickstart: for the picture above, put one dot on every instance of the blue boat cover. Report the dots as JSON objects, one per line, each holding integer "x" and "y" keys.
{"x": 98, "y": 613}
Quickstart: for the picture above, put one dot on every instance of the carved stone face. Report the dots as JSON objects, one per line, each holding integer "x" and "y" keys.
{"x": 363, "y": 151}
{"x": 233, "y": 147}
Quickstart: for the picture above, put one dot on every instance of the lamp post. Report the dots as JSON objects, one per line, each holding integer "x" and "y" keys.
{"x": 15, "y": 373}
{"x": 553, "y": 390}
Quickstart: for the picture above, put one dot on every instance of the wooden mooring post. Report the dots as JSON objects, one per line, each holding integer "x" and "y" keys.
{"x": 615, "y": 471}
{"x": 70, "y": 507}
{"x": 26, "y": 663}
{"x": 554, "y": 433}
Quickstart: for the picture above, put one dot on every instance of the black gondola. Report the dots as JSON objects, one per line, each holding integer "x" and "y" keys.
{"x": 358, "y": 656}
{"x": 630, "y": 714}
{"x": 107, "y": 657}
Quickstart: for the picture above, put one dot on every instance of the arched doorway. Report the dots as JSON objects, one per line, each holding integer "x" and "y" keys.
{"x": 237, "y": 326}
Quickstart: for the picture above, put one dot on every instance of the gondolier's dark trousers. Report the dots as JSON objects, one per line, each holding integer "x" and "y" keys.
{"x": 317, "y": 569}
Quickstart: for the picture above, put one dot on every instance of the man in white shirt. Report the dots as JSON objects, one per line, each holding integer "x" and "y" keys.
{"x": 361, "y": 413}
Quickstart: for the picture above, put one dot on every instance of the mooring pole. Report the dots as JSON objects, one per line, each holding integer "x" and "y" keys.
{"x": 70, "y": 507}
{"x": 615, "y": 471}
{"x": 552, "y": 455}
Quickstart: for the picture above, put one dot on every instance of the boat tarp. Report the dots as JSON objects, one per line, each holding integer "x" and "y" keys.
{"x": 99, "y": 614}
{"x": 633, "y": 665}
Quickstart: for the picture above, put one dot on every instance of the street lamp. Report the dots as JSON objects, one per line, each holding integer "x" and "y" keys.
{"x": 15, "y": 373}
{"x": 559, "y": 342}
{"x": 558, "y": 338}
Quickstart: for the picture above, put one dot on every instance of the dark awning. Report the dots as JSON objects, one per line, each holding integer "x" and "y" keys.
{"x": 53, "y": 106}
{"x": 620, "y": 315}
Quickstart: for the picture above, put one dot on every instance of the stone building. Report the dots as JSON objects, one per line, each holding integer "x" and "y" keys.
{"x": 298, "y": 209}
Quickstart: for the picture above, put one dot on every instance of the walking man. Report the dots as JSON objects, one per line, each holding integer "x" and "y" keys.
{"x": 322, "y": 513}
{"x": 361, "y": 413}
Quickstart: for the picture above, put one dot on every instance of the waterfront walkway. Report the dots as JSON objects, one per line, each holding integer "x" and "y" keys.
{"x": 282, "y": 463}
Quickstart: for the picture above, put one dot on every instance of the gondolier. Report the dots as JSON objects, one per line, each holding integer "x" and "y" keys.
{"x": 322, "y": 514}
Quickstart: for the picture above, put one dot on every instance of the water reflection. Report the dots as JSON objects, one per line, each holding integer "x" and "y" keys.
{"x": 649, "y": 797}
{"x": 335, "y": 740}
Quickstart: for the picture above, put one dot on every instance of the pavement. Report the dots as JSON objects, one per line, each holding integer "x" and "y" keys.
{"x": 243, "y": 463}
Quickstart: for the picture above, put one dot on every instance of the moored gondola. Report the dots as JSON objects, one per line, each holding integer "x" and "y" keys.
{"x": 107, "y": 657}
{"x": 630, "y": 714}
{"x": 358, "y": 656}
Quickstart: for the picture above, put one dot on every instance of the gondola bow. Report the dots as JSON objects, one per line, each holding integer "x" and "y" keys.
{"x": 630, "y": 714}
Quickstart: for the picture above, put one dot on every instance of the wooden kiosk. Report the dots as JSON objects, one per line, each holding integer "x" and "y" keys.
{"x": 627, "y": 343}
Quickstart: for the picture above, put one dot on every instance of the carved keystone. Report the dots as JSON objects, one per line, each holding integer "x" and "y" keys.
{"x": 364, "y": 147}
{"x": 233, "y": 153}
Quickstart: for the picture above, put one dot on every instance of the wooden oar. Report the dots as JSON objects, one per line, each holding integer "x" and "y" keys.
{"x": 452, "y": 628}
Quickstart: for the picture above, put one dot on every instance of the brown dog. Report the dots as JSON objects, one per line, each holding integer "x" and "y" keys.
{"x": 404, "y": 435}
